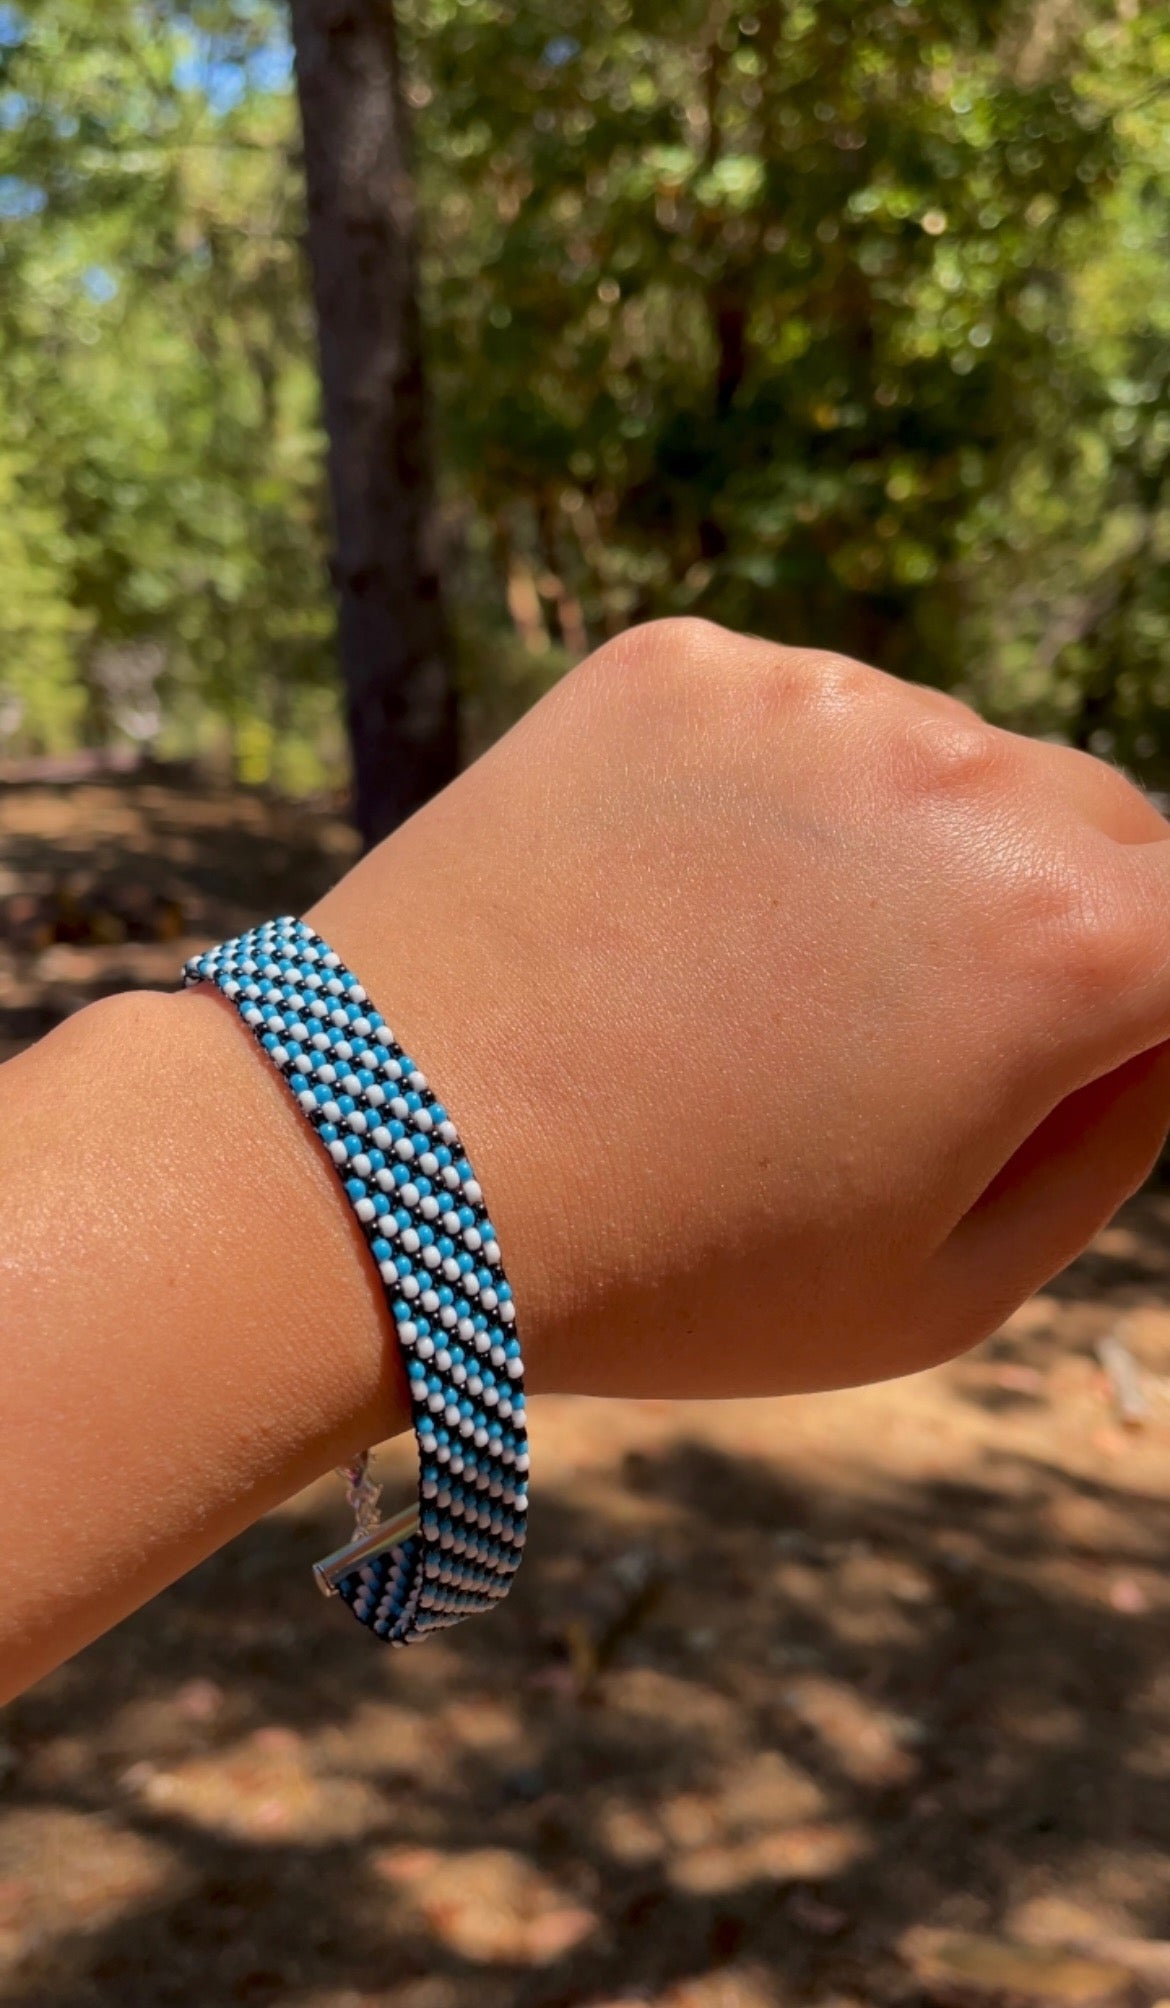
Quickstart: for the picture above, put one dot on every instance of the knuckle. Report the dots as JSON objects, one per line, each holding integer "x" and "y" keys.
{"x": 945, "y": 754}
{"x": 829, "y": 682}
{"x": 1093, "y": 931}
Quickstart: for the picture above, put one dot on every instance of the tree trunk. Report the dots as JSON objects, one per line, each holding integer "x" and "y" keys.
{"x": 400, "y": 691}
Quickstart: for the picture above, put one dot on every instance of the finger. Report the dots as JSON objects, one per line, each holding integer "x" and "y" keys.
{"x": 1053, "y": 1194}
{"x": 1105, "y": 796}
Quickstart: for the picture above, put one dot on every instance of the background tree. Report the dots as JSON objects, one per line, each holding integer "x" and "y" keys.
{"x": 395, "y": 656}
{"x": 845, "y": 324}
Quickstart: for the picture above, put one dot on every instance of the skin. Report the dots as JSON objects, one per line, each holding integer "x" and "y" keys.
{"x": 798, "y": 1023}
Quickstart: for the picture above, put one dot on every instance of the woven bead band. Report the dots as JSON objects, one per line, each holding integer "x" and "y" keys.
{"x": 415, "y": 1196}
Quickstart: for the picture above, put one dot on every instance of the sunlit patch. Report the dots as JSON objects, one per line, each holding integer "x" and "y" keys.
{"x": 265, "y": 1788}
{"x": 491, "y": 1905}
{"x": 64, "y": 1872}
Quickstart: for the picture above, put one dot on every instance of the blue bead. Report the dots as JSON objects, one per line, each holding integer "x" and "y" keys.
{"x": 413, "y": 1101}
{"x": 402, "y": 1217}
{"x": 402, "y": 1264}
{"x": 327, "y": 1132}
{"x": 401, "y": 1311}
{"x": 353, "y": 1145}
{"x": 446, "y": 1294}
{"x": 464, "y": 1168}
{"x": 426, "y": 1236}
{"x": 299, "y": 1084}
{"x": 438, "y": 1113}
{"x": 485, "y": 1278}
{"x": 416, "y": 1370}
{"x": 381, "y": 1249}
{"x": 504, "y": 1292}
{"x": 466, "y": 1264}
{"x": 397, "y": 1130}
{"x": 378, "y": 1159}
{"x": 346, "y": 1104}
{"x": 400, "y": 1175}
{"x": 366, "y": 1078}
{"x": 269, "y": 1041}
{"x": 381, "y": 1204}
{"x": 425, "y": 1187}
{"x": 355, "y": 1188}
{"x": 434, "y": 1384}
{"x": 323, "y": 1095}
{"x": 480, "y": 1322}
{"x": 443, "y": 1155}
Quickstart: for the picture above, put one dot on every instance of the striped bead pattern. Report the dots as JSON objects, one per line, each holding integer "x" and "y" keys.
{"x": 413, "y": 1191}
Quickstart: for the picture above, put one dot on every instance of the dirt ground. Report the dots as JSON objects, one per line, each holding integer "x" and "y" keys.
{"x": 855, "y": 1699}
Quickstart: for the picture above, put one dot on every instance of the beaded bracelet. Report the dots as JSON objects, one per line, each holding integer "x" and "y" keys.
{"x": 420, "y": 1208}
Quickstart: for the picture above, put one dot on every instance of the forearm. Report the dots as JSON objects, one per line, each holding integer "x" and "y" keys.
{"x": 190, "y": 1328}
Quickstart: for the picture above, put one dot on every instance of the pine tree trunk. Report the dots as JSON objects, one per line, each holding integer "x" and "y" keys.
{"x": 400, "y": 692}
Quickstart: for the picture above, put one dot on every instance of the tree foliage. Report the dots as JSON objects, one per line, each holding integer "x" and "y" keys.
{"x": 842, "y": 323}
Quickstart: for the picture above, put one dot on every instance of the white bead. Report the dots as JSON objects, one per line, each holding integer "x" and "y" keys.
{"x": 472, "y": 1239}
{"x": 361, "y": 1165}
{"x": 410, "y": 1241}
{"x": 431, "y": 1257}
{"x": 507, "y": 1311}
{"x": 409, "y": 1286}
{"x": 423, "y": 1119}
{"x": 410, "y": 1195}
{"x": 343, "y": 1050}
{"x": 425, "y": 1348}
{"x": 387, "y": 1272}
{"x": 384, "y": 1180}
{"x": 505, "y": 1408}
{"x": 307, "y": 1100}
{"x": 407, "y": 1331}
{"x": 330, "y": 1113}
{"x": 352, "y": 1085}
{"x": 428, "y": 1163}
{"x": 497, "y": 1356}
{"x": 279, "y": 1056}
{"x": 429, "y": 1208}
{"x": 467, "y": 1331}
{"x": 357, "y": 1122}
{"x": 382, "y": 1140}
{"x": 430, "y": 1302}
{"x": 474, "y": 1383}
{"x": 488, "y": 1299}
{"x": 448, "y": 1316}
{"x": 459, "y": 1375}
{"x": 252, "y": 1016}
{"x": 491, "y": 1252}
{"x": 435, "y": 1403}
{"x": 338, "y": 1152}
{"x": 471, "y": 1284}
{"x": 375, "y": 1096}
{"x": 404, "y": 1148}
{"x": 515, "y": 1369}
{"x": 451, "y": 1415}
{"x": 472, "y": 1191}
{"x": 450, "y": 1177}
{"x": 365, "y": 1210}
{"x": 451, "y": 1221}
{"x": 481, "y": 1437}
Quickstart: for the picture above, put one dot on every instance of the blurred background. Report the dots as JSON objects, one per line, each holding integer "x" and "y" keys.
{"x": 360, "y": 370}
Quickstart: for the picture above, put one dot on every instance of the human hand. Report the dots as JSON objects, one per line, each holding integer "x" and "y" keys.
{"x": 799, "y": 1024}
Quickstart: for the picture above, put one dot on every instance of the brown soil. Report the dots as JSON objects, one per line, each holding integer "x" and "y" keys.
{"x": 829, "y": 1701}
